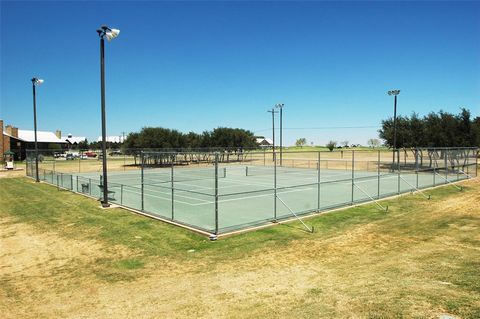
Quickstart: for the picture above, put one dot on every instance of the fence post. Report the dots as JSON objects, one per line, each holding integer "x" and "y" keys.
{"x": 318, "y": 182}
{"x": 476, "y": 162}
{"x": 274, "y": 186}
{"x": 172, "y": 185}
{"x": 264, "y": 157}
{"x": 353, "y": 174}
{"x": 121, "y": 194}
{"x": 142, "y": 159}
{"x": 378, "y": 174}
{"x": 468, "y": 161}
{"x": 416, "y": 167}
{"x": 398, "y": 171}
{"x": 216, "y": 193}
{"x": 446, "y": 166}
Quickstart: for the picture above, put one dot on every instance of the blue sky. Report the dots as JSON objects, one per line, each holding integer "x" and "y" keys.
{"x": 194, "y": 66}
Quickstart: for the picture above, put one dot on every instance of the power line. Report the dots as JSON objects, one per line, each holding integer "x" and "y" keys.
{"x": 323, "y": 128}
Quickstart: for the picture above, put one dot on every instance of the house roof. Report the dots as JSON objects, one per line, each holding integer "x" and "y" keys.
{"x": 262, "y": 139}
{"x": 42, "y": 136}
{"x": 112, "y": 139}
{"x": 74, "y": 139}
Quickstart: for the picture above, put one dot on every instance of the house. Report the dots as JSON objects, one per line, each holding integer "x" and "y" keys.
{"x": 113, "y": 139}
{"x": 264, "y": 142}
{"x": 73, "y": 141}
{"x": 18, "y": 141}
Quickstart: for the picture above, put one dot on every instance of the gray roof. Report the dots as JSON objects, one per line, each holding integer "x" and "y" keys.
{"x": 42, "y": 136}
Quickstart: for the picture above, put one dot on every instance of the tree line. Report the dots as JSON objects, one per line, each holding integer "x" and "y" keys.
{"x": 440, "y": 129}
{"x": 164, "y": 138}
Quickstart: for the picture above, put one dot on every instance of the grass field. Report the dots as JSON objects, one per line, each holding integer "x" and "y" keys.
{"x": 62, "y": 256}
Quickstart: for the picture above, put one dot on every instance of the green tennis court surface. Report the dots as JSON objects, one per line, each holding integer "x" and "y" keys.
{"x": 245, "y": 196}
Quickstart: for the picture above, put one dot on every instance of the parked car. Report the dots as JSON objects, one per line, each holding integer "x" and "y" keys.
{"x": 115, "y": 152}
{"x": 69, "y": 157}
{"x": 91, "y": 154}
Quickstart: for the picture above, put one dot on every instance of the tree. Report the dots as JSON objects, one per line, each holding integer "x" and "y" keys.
{"x": 331, "y": 145}
{"x": 440, "y": 129}
{"x": 83, "y": 145}
{"x": 344, "y": 143}
{"x": 301, "y": 142}
{"x": 374, "y": 142}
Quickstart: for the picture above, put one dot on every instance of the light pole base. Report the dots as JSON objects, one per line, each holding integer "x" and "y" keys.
{"x": 105, "y": 205}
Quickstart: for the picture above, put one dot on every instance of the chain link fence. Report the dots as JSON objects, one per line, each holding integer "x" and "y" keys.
{"x": 224, "y": 191}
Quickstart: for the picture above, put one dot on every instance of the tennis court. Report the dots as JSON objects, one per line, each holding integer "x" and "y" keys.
{"x": 218, "y": 198}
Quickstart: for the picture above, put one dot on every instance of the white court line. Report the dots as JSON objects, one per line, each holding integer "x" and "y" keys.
{"x": 256, "y": 196}
{"x": 169, "y": 192}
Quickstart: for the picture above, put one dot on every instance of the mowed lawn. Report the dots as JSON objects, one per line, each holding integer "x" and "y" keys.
{"x": 61, "y": 256}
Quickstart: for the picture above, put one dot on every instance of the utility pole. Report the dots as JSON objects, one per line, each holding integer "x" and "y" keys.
{"x": 281, "y": 106}
{"x": 273, "y": 129}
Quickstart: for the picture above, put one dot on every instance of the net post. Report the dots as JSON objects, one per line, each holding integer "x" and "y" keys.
{"x": 79, "y": 159}
{"x": 274, "y": 186}
{"x": 378, "y": 174}
{"x": 264, "y": 157}
{"x": 142, "y": 159}
{"x": 90, "y": 186}
{"x": 77, "y": 183}
{"x": 246, "y": 170}
{"x": 318, "y": 182}
{"x": 71, "y": 182}
{"x": 54, "y": 164}
{"x": 353, "y": 175}
{"x": 216, "y": 193}
{"x": 416, "y": 167}
{"x": 173, "y": 187}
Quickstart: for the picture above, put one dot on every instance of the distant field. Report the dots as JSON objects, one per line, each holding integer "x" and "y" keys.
{"x": 62, "y": 256}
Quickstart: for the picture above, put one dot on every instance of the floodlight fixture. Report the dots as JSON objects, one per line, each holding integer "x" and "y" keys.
{"x": 394, "y": 92}
{"x": 108, "y": 33}
{"x": 37, "y": 82}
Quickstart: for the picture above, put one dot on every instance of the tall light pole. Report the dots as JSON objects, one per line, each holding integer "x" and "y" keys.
{"x": 104, "y": 32}
{"x": 273, "y": 130}
{"x": 394, "y": 93}
{"x": 281, "y": 106}
{"x": 35, "y": 82}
